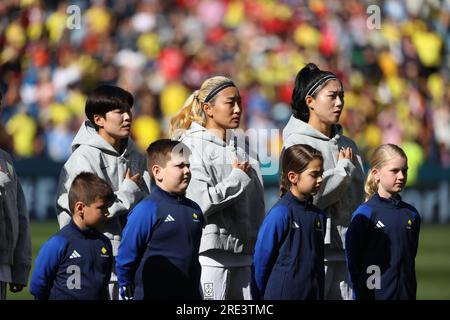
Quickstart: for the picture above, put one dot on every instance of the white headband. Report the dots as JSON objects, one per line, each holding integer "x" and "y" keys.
{"x": 313, "y": 89}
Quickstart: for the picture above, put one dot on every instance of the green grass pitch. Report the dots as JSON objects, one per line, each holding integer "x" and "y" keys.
{"x": 432, "y": 262}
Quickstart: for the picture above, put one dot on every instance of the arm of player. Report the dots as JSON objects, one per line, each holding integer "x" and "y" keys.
{"x": 22, "y": 253}
{"x": 126, "y": 197}
{"x": 75, "y": 165}
{"x": 270, "y": 237}
{"x": 335, "y": 183}
{"x": 46, "y": 267}
{"x": 212, "y": 197}
{"x": 338, "y": 180}
{"x": 131, "y": 191}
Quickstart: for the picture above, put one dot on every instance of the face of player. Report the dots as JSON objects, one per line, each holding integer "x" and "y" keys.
{"x": 225, "y": 112}
{"x": 391, "y": 177}
{"x": 115, "y": 126}
{"x": 307, "y": 183}
{"x": 327, "y": 106}
{"x": 176, "y": 175}
{"x": 95, "y": 214}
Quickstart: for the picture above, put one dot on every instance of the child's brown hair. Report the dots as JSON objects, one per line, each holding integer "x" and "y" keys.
{"x": 160, "y": 152}
{"x": 296, "y": 158}
{"x": 87, "y": 187}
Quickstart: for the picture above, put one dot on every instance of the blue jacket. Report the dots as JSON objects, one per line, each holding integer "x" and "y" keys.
{"x": 158, "y": 254}
{"x": 383, "y": 233}
{"x": 74, "y": 264}
{"x": 288, "y": 260}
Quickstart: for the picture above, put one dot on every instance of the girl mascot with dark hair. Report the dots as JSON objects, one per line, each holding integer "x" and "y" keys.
{"x": 317, "y": 104}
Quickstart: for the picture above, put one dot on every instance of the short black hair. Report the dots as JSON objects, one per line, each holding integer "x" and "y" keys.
{"x": 87, "y": 187}
{"x": 160, "y": 152}
{"x": 106, "y": 98}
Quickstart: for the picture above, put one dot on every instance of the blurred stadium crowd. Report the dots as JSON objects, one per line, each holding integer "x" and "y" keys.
{"x": 396, "y": 78}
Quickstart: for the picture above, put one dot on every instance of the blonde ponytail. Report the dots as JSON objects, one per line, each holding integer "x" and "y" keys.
{"x": 192, "y": 110}
{"x": 371, "y": 186}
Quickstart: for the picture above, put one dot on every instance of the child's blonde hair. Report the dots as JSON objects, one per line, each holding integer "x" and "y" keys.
{"x": 192, "y": 110}
{"x": 381, "y": 155}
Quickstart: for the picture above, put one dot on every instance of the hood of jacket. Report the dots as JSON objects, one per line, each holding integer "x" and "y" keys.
{"x": 298, "y": 127}
{"x": 197, "y": 131}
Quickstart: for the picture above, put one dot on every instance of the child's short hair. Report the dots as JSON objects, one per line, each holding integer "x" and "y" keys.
{"x": 296, "y": 158}
{"x": 87, "y": 187}
{"x": 160, "y": 152}
{"x": 106, "y": 98}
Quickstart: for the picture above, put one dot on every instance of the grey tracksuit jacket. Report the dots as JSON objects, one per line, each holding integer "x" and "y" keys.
{"x": 342, "y": 190}
{"x": 91, "y": 153}
{"x": 231, "y": 200}
{"x": 15, "y": 239}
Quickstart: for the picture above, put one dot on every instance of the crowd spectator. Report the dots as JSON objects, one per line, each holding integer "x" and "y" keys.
{"x": 396, "y": 75}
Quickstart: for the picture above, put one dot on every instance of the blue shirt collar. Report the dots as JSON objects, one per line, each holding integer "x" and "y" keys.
{"x": 86, "y": 232}
{"x": 394, "y": 200}
{"x": 304, "y": 203}
{"x": 167, "y": 195}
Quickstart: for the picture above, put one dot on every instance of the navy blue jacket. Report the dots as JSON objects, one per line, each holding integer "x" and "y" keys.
{"x": 288, "y": 260}
{"x": 158, "y": 254}
{"x": 73, "y": 264}
{"x": 383, "y": 233}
